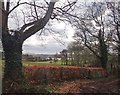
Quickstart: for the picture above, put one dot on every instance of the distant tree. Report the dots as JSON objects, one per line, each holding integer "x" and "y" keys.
{"x": 114, "y": 23}
{"x": 91, "y": 31}
{"x": 55, "y": 57}
{"x": 71, "y": 53}
{"x": 81, "y": 55}
{"x": 64, "y": 56}
{"x": 74, "y": 50}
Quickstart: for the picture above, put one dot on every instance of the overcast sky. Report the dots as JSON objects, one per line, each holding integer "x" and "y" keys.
{"x": 49, "y": 43}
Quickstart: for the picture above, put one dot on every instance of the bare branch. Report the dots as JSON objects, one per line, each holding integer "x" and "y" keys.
{"x": 2, "y": 7}
{"x": 27, "y": 25}
{"x": 70, "y": 5}
{"x": 35, "y": 10}
{"x": 40, "y": 23}
{"x": 18, "y": 4}
{"x": 8, "y": 6}
{"x": 88, "y": 46}
{"x": 24, "y": 17}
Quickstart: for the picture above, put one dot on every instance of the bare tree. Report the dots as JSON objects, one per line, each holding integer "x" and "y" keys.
{"x": 74, "y": 50}
{"x": 70, "y": 48}
{"x": 114, "y": 8}
{"x": 12, "y": 40}
{"x": 64, "y": 56}
{"x": 91, "y": 30}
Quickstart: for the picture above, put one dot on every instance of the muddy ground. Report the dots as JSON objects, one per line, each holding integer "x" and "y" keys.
{"x": 102, "y": 85}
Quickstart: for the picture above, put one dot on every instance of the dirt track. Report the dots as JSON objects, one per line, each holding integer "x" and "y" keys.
{"x": 106, "y": 85}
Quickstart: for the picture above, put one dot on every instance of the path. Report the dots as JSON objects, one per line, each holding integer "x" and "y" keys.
{"x": 107, "y": 85}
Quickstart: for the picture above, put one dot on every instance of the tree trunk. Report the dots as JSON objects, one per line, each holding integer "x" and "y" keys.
{"x": 103, "y": 50}
{"x": 12, "y": 47}
{"x": 66, "y": 59}
{"x": 72, "y": 58}
{"x": 119, "y": 55}
{"x": 103, "y": 54}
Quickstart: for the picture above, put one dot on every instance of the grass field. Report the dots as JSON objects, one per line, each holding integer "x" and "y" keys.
{"x": 29, "y": 63}
{"x": 44, "y": 63}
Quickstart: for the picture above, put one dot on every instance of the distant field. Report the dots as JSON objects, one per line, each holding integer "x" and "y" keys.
{"x": 45, "y": 63}
{"x": 1, "y": 64}
{"x": 29, "y": 63}
{"x": 0, "y": 67}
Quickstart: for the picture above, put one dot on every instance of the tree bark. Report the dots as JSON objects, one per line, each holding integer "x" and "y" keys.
{"x": 13, "y": 57}
{"x": 103, "y": 53}
{"x": 119, "y": 55}
{"x": 104, "y": 56}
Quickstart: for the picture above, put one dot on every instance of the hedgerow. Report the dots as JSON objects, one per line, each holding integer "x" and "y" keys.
{"x": 48, "y": 74}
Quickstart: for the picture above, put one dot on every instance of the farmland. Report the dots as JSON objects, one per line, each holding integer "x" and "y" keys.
{"x": 47, "y": 77}
{"x": 44, "y": 63}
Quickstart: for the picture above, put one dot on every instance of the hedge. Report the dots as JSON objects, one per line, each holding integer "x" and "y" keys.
{"x": 48, "y": 74}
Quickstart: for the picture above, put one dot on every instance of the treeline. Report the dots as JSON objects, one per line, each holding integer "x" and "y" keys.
{"x": 97, "y": 36}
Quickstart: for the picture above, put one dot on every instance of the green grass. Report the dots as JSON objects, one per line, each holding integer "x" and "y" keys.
{"x": 29, "y": 63}
{"x": 1, "y": 62}
{"x": 44, "y": 63}
{"x": 1, "y": 66}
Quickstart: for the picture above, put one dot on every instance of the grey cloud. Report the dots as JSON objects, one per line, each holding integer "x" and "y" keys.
{"x": 51, "y": 48}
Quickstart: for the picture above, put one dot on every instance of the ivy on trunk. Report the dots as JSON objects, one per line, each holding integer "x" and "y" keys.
{"x": 12, "y": 47}
{"x": 103, "y": 50}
